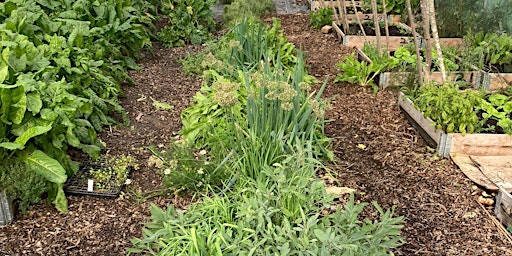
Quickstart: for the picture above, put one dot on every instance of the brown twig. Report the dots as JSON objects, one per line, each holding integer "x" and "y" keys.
{"x": 501, "y": 229}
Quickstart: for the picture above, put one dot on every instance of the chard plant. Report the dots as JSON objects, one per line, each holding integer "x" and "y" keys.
{"x": 61, "y": 67}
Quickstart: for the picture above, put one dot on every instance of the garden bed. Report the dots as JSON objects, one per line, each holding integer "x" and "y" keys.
{"x": 467, "y": 151}
{"x": 397, "y": 37}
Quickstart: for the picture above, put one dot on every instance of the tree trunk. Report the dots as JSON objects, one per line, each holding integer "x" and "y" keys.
{"x": 435, "y": 35}
{"x": 425, "y": 10}
{"x": 376, "y": 24}
{"x": 386, "y": 26}
{"x": 415, "y": 36}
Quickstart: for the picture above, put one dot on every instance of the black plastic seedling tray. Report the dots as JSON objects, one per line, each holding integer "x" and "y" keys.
{"x": 79, "y": 184}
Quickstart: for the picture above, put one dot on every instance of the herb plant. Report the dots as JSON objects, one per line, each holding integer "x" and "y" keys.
{"x": 274, "y": 203}
{"x": 22, "y": 184}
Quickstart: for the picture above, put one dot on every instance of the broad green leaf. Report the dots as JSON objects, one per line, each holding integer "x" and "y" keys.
{"x": 46, "y": 166}
{"x": 34, "y": 102}
{"x": 10, "y": 145}
{"x": 4, "y": 73}
{"x": 60, "y": 201}
{"x": 48, "y": 114}
{"x": 30, "y": 133}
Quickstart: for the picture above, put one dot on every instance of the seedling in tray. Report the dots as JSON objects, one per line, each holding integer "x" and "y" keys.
{"x": 105, "y": 177}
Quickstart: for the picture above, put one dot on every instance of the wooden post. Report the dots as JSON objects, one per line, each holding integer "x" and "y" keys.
{"x": 435, "y": 35}
{"x": 334, "y": 11}
{"x": 343, "y": 14}
{"x": 386, "y": 26}
{"x": 358, "y": 20}
{"x": 415, "y": 36}
{"x": 376, "y": 24}
{"x": 425, "y": 16}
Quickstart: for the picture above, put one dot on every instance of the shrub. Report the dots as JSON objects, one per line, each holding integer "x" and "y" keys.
{"x": 22, "y": 184}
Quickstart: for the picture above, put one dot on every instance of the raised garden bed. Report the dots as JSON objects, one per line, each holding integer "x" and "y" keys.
{"x": 397, "y": 79}
{"x": 479, "y": 79}
{"x": 456, "y": 143}
{"x": 400, "y": 34}
{"x": 482, "y": 157}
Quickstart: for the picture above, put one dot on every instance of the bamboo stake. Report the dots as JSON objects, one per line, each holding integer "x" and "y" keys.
{"x": 358, "y": 20}
{"x": 386, "y": 26}
{"x": 415, "y": 36}
{"x": 376, "y": 24}
{"x": 335, "y": 12}
{"x": 425, "y": 10}
{"x": 435, "y": 35}
{"x": 343, "y": 11}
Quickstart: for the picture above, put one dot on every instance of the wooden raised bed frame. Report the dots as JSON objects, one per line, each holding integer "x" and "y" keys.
{"x": 359, "y": 41}
{"x": 456, "y": 143}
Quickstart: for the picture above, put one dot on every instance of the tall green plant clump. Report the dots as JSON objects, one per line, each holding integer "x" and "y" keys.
{"x": 273, "y": 203}
{"x": 243, "y": 9}
{"x": 190, "y": 21}
{"x": 61, "y": 69}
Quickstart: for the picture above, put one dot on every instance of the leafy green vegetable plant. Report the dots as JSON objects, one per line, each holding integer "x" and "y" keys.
{"x": 361, "y": 72}
{"x": 61, "y": 68}
{"x": 451, "y": 109}
{"x": 190, "y": 21}
{"x": 321, "y": 17}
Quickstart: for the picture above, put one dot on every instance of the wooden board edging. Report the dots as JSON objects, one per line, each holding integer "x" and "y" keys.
{"x": 396, "y": 79}
{"x": 457, "y": 143}
{"x": 359, "y": 41}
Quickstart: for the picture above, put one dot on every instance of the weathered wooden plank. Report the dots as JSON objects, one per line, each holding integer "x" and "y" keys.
{"x": 367, "y": 17}
{"x": 496, "y": 81}
{"x": 503, "y": 209}
{"x": 498, "y": 169}
{"x": 359, "y": 41}
{"x": 315, "y": 5}
{"x": 472, "y": 171}
{"x": 397, "y": 79}
{"x": 481, "y": 144}
{"x": 425, "y": 123}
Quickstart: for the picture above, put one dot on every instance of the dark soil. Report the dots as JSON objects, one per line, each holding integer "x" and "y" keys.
{"x": 379, "y": 154}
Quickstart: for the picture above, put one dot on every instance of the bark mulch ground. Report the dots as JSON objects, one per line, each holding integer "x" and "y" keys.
{"x": 378, "y": 153}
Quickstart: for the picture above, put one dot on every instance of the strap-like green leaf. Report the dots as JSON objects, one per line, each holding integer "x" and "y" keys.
{"x": 46, "y": 166}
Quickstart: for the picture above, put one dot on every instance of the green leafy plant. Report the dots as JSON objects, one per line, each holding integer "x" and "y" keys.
{"x": 111, "y": 172}
{"x": 61, "y": 69}
{"x": 397, "y": 7}
{"x": 190, "y": 21}
{"x": 361, "y": 72}
{"x": 269, "y": 216}
{"x": 497, "y": 107}
{"x": 239, "y": 10}
{"x": 321, "y": 17}
{"x": 450, "y": 108}
{"x": 185, "y": 169}
{"x": 488, "y": 51}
